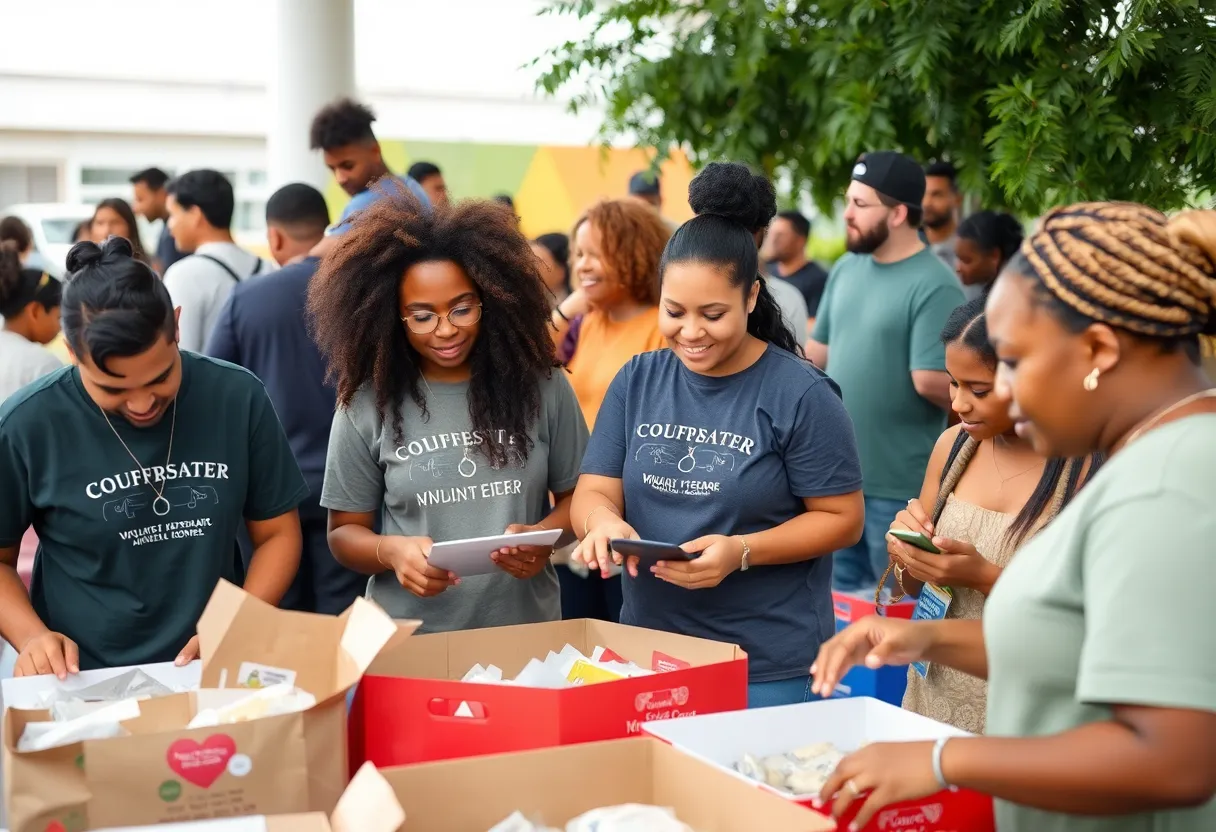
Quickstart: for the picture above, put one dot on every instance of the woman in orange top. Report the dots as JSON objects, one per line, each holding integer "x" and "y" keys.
{"x": 616, "y": 246}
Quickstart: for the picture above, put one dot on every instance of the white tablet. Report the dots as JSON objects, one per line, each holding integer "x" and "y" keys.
{"x": 472, "y": 556}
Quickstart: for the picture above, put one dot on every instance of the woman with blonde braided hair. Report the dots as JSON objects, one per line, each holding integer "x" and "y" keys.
{"x": 1096, "y": 642}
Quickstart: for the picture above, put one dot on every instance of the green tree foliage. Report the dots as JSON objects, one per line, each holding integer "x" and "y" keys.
{"x": 1038, "y": 102}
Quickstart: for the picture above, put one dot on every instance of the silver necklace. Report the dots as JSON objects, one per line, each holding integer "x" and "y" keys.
{"x": 160, "y": 506}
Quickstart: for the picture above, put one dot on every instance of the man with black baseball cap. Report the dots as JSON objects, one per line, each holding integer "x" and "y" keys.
{"x": 644, "y": 186}
{"x": 878, "y": 335}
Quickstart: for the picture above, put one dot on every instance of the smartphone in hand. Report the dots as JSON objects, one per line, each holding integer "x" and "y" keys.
{"x": 649, "y": 551}
{"x": 917, "y": 539}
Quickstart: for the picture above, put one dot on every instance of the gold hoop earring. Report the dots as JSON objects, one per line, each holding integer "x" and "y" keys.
{"x": 1091, "y": 381}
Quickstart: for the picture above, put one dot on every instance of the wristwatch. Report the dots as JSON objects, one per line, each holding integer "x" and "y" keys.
{"x": 747, "y": 551}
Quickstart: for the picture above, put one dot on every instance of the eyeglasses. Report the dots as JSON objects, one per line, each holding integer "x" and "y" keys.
{"x": 424, "y": 323}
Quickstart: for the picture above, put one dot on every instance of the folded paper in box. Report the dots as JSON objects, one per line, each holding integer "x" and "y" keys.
{"x": 565, "y": 669}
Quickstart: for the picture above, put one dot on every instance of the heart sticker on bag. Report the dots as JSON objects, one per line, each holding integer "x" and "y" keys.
{"x": 201, "y": 764}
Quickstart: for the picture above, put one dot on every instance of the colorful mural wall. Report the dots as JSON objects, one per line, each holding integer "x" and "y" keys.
{"x": 551, "y": 185}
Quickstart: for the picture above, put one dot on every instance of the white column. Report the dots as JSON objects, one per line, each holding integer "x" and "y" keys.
{"x": 314, "y": 63}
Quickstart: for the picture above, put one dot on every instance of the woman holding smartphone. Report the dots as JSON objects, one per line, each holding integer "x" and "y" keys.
{"x": 1097, "y": 641}
{"x": 986, "y": 491}
{"x": 730, "y": 445}
{"x": 454, "y": 420}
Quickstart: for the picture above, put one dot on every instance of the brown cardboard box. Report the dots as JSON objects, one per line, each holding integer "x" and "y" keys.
{"x": 556, "y": 785}
{"x": 367, "y": 805}
{"x": 411, "y": 706}
{"x": 164, "y": 773}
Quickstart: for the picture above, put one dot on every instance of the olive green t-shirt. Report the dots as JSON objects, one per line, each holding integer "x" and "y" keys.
{"x": 120, "y": 571}
{"x": 1108, "y": 605}
{"x": 880, "y": 322}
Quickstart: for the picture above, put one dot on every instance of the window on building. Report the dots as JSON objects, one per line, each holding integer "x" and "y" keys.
{"x": 28, "y": 183}
{"x": 114, "y": 177}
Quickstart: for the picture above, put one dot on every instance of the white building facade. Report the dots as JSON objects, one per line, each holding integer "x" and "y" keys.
{"x": 90, "y": 94}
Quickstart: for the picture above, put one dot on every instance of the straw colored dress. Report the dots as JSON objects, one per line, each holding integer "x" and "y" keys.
{"x": 945, "y": 694}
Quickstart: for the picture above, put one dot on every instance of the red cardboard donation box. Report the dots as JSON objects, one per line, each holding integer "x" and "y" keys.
{"x": 411, "y": 707}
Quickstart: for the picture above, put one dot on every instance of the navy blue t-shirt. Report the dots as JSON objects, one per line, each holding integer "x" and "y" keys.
{"x": 262, "y": 328}
{"x": 702, "y": 455}
{"x": 166, "y": 249}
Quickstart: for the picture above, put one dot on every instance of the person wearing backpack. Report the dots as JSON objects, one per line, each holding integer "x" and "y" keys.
{"x": 201, "y": 205}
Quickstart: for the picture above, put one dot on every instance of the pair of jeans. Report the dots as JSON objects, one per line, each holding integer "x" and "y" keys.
{"x": 859, "y": 567}
{"x": 780, "y": 692}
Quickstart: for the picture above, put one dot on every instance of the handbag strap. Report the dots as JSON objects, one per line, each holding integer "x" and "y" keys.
{"x": 954, "y": 472}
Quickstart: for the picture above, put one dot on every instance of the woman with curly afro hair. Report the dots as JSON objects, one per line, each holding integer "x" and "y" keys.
{"x": 454, "y": 420}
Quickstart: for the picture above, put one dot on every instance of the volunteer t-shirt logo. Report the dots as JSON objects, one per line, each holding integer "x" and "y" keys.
{"x": 455, "y": 456}
{"x": 695, "y": 454}
{"x": 132, "y": 495}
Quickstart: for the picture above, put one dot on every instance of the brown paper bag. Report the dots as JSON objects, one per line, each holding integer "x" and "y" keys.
{"x": 164, "y": 773}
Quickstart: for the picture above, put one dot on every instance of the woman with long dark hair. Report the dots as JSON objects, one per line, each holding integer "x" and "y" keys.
{"x": 1097, "y": 641}
{"x": 986, "y": 491}
{"x": 730, "y": 445}
{"x": 454, "y": 419}
{"x": 113, "y": 217}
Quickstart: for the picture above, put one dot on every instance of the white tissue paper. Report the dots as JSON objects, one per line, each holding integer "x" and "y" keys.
{"x": 273, "y": 700}
{"x": 568, "y": 668}
{"x": 628, "y": 817}
{"x": 68, "y": 704}
{"x": 798, "y": 772}
{"x": 102, "y": 723}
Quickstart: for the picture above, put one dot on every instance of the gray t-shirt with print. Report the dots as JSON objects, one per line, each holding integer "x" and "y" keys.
{"x": 435, "y": 482}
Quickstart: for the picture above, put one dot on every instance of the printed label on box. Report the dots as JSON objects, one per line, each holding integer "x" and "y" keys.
{"x": 662, "y": 663}
{"x": 253, "y": 675}
{"x": 911, "y": 817}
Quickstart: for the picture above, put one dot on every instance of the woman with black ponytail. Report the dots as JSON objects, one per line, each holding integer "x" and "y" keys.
{"x": 731, "y": 446}
{"x": 986, "y": 491}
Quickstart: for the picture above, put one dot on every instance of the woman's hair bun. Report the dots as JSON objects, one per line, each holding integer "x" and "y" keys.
{"x": 732, "y": 191}
{"x": 1193, "y": 234}
{"x": 1196, "y": 229}
{"x": 82, "y": 255}
{"x": 86, "y": 254}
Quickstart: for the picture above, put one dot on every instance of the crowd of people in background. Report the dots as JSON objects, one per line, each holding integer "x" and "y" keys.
{"x": 1014, "y": 422}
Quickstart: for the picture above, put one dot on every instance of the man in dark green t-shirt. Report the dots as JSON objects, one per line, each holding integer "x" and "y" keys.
{"x": 878, "y": 335}
{"x": 135, "y": 467}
